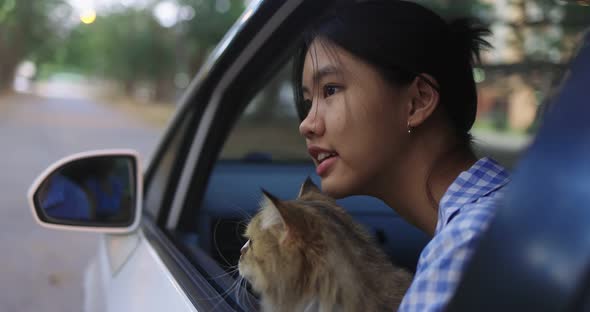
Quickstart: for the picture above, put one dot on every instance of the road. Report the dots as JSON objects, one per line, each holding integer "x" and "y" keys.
{"x": 41, "y": 269}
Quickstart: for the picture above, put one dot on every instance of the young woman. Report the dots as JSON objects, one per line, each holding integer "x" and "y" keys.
{"x": 387, "y": 99}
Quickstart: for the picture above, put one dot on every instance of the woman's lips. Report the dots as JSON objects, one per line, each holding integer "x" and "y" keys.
{"x": 324, "y": 158}
{"x": 325, "y": 165}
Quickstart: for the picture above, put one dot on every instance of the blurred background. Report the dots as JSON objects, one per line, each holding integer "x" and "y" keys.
{"x": 77, "y": 75}
{"x": 86, "y": 74}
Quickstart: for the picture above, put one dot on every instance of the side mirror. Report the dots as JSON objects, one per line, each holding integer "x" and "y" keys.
{"x": 97, "y": 191}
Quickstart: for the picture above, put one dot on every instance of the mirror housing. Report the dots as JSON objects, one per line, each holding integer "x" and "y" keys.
{"x": 95, "y": 191}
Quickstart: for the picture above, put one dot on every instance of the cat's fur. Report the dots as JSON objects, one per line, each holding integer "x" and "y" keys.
{"x": 309, "y": 255}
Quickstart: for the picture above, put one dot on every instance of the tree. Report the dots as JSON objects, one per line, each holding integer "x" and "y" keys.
{"x": 127, "y": 46}
{"x": 26, "y": 27}
{"x": 209, "y": 24}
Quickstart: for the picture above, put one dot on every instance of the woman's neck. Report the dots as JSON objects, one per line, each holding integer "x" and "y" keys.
{"x": 417, "y": 187}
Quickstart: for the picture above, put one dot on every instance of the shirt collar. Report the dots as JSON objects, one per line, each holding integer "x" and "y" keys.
{"x": 484, "y": 177}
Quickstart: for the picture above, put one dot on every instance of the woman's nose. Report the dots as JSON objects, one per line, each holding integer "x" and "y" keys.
{"x": 313, "y": 124}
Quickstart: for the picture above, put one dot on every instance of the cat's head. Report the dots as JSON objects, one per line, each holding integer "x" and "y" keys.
{"x": 288, "y": 240}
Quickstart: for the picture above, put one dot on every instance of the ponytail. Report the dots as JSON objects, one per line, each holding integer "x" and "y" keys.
{"x": 467, "y": 35}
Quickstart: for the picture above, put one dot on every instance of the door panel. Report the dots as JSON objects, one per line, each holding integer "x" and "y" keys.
{"x": 141, "y": 283}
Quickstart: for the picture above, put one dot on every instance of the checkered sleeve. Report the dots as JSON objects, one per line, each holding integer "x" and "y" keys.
{"x": 444, "y": 259}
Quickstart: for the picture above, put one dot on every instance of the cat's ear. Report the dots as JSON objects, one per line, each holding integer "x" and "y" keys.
{"x": 277, "y": 212}
{"x": 308, "y": 187}
{"x": 273, "y": 212}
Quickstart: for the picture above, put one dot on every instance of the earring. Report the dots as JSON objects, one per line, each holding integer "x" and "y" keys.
{"x": 409, "y": 128}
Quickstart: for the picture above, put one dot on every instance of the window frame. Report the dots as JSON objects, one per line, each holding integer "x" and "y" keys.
{"x": 249, "y": 52}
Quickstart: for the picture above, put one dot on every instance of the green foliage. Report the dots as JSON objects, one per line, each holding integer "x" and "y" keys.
{"x": 131, "y": 46}
{"x": 459, "y": 8}
{"x": 209, "y": 25}
{"x": 26, "y": 27}
{"x": 128, "y": 44}
{"x": 5, "y": 8}
{"x": 200, "y": 34}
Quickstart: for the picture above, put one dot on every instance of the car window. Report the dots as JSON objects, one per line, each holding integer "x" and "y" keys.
{"x": 268, "y": 127}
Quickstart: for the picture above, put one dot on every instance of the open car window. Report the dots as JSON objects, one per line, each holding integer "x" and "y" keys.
{"x": 268, "y": 129}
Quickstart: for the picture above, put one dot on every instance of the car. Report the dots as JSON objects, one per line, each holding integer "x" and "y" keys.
{"x": 175, "y": 240}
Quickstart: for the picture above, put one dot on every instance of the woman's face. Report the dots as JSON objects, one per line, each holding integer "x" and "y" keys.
{"x": 356, "y": 128}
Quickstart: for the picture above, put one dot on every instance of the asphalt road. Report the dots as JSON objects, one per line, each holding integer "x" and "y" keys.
{"x": 41, "y": 269}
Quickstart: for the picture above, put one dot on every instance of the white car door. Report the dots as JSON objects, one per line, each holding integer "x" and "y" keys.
{"x": 128, "y": 275}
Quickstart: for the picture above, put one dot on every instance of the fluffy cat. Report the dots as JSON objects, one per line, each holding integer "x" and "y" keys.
{"x": 309, "y": 255}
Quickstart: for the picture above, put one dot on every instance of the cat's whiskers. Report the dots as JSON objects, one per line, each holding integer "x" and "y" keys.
{"x": 239, "y": 290}
{"x": 232, "y": 288}
{"x": 227, "y": 262}
{"x": 231, "y": 272}
{"x": 235, "y": 285}
{"x": 246, "y": 217}
{"x": 235, "y": 207}
{"x": 248, "y": 296}
{"x": 244, "y": 293}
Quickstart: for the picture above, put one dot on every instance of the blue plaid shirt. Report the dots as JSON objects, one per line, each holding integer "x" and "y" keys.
{"x": 464, "y": 213}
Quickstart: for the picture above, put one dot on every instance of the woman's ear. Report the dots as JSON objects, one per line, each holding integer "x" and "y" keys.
{"x": 425, "y": 99}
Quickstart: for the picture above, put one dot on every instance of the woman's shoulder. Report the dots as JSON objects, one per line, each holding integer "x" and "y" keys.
{"x": 473, "y": 194}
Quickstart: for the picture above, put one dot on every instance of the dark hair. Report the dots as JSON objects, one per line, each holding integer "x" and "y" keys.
{"x": 403, "y": 40}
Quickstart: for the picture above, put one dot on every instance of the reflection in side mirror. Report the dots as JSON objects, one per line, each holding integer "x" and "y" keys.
{"x": 92, "y": 191}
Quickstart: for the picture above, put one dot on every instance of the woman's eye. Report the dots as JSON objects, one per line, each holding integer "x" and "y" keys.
{"x": 330, "y": 90}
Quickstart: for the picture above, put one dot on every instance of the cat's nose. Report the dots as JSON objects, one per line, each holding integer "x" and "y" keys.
{"x": 245, "y": 247}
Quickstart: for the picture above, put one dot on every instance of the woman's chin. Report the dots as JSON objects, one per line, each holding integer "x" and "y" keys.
{"x": 333, "y": 189}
